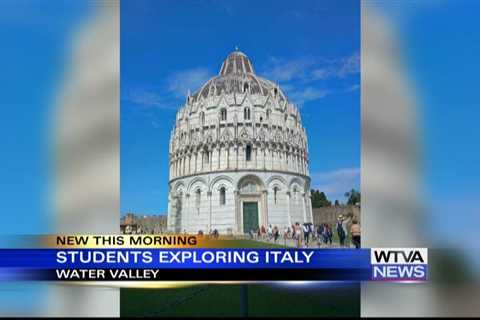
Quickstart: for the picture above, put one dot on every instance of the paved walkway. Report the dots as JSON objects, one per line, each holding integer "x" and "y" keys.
{"x": 291, "y": 243}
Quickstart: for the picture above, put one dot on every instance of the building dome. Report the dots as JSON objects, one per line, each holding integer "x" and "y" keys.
{"x": 237, "y": 76}
{"x": 238, "y": 155}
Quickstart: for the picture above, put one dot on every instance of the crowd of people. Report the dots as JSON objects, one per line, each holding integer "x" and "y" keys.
{"x": 309, "y": 235}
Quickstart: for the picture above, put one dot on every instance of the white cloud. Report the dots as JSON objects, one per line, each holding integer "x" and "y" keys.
{"x": 308, "y": 94}
{"x": 283, "y": 71}
{"x": 308, "y": 69}
{"x": 353, "y": 87}
{"x": 181, "y": 82}
{"x": 300, "y": 78}
{"x": 172, "y": 92}
{"x": 335, "y": 183}
{"x": 144, "y": 98}
{"x": 349, "y": 65}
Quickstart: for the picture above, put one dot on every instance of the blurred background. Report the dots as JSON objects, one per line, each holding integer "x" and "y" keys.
{"x": 59, "y": 133}
{"x": 420, "y": 150}
{"x": 59, "y": 170}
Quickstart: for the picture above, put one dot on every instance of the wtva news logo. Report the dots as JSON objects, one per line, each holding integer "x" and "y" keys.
{"x": 399, "y": 264}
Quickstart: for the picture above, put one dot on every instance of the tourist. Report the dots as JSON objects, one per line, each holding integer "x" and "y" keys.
{"x": 306, "y": 233}
{"x": 298, "y": 234}
{"x": 269, "y": 232}
{"x": 342, "y": 229}
{"x": 320, "y": 230}
{"x": 355, "y": 232}
{"x": 320, "y": 237}
{"x": 329, "y": 233}
{"x": 275, "y": 234}
{"x": 286, "y": 234}
{"x": 263, "y": 231}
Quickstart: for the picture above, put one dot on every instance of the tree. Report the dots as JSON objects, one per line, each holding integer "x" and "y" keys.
{"x": 319, "y": 199}
{"x": 353, "y": 197}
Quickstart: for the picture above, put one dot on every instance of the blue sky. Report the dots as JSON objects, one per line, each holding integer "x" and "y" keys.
{"x": 440, "y": 43}
{"x": 33, "y": 38}
{"x": 168, "y": 47}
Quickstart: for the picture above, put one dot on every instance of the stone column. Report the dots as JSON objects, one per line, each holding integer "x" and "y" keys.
{"x": 228, "y": 156}
{"x": 196, "y": 162}
{"x": 236, "y": 157}
{"x": 209, "y": 195}
{"x": 264, "y": 204}
{"x": 304, "y": 207}
{"x": 272, "y": 152}
{"x": 187, "y": 225}
{"x": 289, "y": 216}
{"x": 238, "y": 218}
{"x": 264, "y": 156}
{"x": 210, "y": 159}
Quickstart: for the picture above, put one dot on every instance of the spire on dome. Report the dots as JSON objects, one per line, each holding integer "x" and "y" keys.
{"x": 237, "y": 62}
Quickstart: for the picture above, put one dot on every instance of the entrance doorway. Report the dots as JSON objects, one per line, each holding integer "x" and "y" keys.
{"x": 250, "y": 216}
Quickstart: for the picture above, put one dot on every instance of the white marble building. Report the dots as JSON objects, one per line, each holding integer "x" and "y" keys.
{"x": 238, "y": 156}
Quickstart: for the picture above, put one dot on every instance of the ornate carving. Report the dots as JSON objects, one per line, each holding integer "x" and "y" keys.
{"x": 244, "y": 136}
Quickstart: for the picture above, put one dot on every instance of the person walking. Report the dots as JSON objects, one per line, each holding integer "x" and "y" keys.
{"x": 329, "y": 234}
{"x": 320, "y": 235}
{"x": 306, "y": 234}
{"x": 355, "y": 232}
{"x": 298, "y": 234}
{"x": 342, "y": 229}
{"x": 276, "y": 234}
{"x": 286, "y": 233}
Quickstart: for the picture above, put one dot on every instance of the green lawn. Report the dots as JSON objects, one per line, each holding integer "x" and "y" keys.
{"x": 224, "y": 300}
{"x": 214, "y": 300}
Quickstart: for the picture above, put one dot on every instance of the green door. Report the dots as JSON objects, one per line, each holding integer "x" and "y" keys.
{"x": 250, "y": 216}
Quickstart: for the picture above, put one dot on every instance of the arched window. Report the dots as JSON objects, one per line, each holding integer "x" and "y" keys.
{"x": 202, "y": 118}
{"x": 222, "y": 196}
{"x": 249, "y": 187}
{"x": 294, "y": 193}
{"x": 246, "y": 113}
{"x": 268, "y": 114}
{"x": 223, "y": 114}
{"x": 248, "y": 153}
{"x": 286, "y": 117}
{"x": 275, "y": 190}
{"x": 205, "y": 156}
{"x": 198, "y": 195}
{"x": 245, "y": 87}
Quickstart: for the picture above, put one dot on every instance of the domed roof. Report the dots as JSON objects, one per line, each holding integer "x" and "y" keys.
{"x": 237, "y": 75}
{"x": 236, "y": 63}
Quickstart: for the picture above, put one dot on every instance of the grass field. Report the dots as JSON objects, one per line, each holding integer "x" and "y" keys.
{"x": 273, "y": 300}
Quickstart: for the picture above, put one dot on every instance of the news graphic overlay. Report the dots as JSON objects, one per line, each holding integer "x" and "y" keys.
{"x": 399, "y": 264}
{"x": 94, "y": 258}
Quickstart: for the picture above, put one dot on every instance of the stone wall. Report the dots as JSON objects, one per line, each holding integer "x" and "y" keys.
{"x": 330, "y": 214}
{"x": 144, "y": 223}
